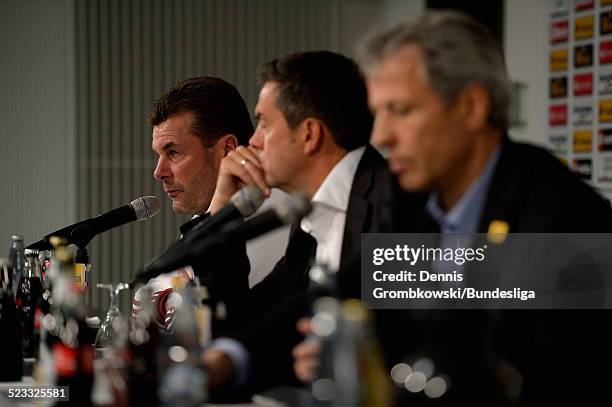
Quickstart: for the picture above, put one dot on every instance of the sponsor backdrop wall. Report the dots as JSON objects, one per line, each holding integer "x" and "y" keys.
{"x": 580, "y": 88}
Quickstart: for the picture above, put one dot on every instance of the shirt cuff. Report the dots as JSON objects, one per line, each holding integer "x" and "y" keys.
{"x": 239, "y": 356}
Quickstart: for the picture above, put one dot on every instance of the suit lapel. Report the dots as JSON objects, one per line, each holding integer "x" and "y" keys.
{"x": 190, "y": 224}
{"x": 359, "y": 207}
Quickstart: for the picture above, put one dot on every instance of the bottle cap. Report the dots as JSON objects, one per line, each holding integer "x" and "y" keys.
{"x": 57, "y": 241}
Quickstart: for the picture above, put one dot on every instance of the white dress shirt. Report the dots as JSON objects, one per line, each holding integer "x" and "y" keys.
{"x": 328, "y": 216}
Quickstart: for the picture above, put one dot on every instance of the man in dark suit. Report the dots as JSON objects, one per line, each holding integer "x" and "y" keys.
{"x": 196, "y": 123}
{"x": 312, "y": 138}
{"x": 439, "y": 90}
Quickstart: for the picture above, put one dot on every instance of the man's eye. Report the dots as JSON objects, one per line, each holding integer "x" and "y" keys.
{"x": 399, "y": 109}
{"x": 172, "y": 153}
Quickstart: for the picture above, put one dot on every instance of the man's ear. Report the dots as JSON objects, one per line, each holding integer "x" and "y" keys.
{"x": 475, "y": 105}
{"x": 230, "y": 144}
{"x": 312, "y": 133}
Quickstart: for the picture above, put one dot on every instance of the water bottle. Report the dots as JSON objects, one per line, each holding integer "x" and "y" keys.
{"x": 17, "y": 260}
{"x": 29, "y": 292}
{"x": 11, "y": 367}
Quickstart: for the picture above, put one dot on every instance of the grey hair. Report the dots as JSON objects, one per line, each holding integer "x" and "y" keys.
{"x": 457, "y": 51}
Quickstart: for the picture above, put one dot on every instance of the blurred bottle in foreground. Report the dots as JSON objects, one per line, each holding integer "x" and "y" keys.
{"x": 11, "y": 367}
{"x": 29, "y": 292}
{"x": 143, "y": 343}
{"x": 183, "y": 379}
{"x": 351, "y": 371}
{"x": 66, "y": 352}
{"x": 17, "y": 260}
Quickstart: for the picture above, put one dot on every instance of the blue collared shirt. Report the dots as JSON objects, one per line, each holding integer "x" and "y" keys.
{"x": 464, "y": 216}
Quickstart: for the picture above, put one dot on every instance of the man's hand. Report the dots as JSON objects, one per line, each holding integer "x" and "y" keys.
{"x": 306, "y": 354}
{"x": 239, "y": 168}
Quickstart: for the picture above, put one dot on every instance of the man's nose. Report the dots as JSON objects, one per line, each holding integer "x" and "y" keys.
{"x": 162, "y": 170}
{"x": 381, "y": 132}
{"x": 256, "y": 139}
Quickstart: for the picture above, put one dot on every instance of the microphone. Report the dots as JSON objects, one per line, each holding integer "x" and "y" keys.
{"x": 82, "y": 232}
{"x": 288, "y": 210}
{"x": 242, "y": 204}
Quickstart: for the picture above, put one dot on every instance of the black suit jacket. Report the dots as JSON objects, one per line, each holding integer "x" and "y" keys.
{"x": 485, "y": 352}
{"x": 534, "y": 192}
{"x": 226, "y": 276}
{"x": 375, "y": 205}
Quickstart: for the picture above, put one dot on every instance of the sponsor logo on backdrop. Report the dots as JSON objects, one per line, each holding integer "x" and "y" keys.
{"x": 583, "y": 84}
{"x": 583, "y": 56}
{"x": 583, "y": 141}
{"x": 604, "y": 140}
{"x": 558, "y": 87}
{"x": 559, "y": 8}
{"x": 605, "y": 52}
{"x": 604, "y": 86}
{"x": 605, "y": 23}
{"x": 605, "y": 168}
{"x": 558, "y": 143}
{"x": 582, "y": 115}
{"x": 583, "y": 167}
{"x": 583, "y": 4}
{"x": 558, "y": 60}
{"x": 558, "y": 115}
{"x": 559, "y": 31}
{"x": 605, "y": 111}
{"x": 583, "y": 27}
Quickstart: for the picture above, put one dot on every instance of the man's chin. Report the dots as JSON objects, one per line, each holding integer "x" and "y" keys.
{"x": 410, "y": 183}
{"x": 180, "y": 209}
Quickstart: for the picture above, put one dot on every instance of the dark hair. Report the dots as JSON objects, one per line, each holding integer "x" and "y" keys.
{"x": 216, "y": 104}
{"x": 326, "y": 86}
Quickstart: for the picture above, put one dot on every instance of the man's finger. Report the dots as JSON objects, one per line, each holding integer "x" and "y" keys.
{"x": 305, "y": 370}
{"x": 247, "y": 171}
{"x": 307, "y": 348}
{"x": 250, "y": 155}
{"x": 303, "y": 326}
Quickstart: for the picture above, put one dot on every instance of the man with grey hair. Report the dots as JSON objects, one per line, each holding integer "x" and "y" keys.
{"x": 441, "y": 95}
{"x": 438, "y": 87}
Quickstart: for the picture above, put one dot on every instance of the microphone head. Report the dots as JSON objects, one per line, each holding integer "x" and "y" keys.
{"x": 145, "y": 207}
{"x": 248, "y": 200}
{"x": 292, "y": 208}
